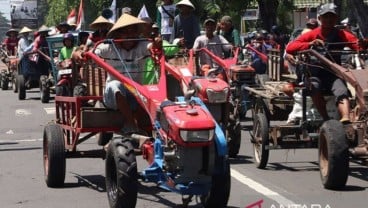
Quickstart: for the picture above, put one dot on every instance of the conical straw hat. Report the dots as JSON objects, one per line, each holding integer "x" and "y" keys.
{"x": 25, "y": 29}
{"x": 11, "y": 30}
{"x": 43, "y": 28}
{"x": 186, "y": 3}
{"x": 101, "y": 22}
{"x": 126, "y": 20}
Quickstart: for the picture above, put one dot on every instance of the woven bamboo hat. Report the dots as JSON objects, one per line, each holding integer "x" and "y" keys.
{"x": 11, "y": 30}
{"x": 25, "y": 29}
{"x": 101, "y": 22}
{"x": 124, "y": 21}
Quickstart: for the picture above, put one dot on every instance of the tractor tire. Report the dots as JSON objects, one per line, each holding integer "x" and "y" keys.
{"x": 62, "y": 90}
{"x": 21, "y": 87}
{"x": 79, "y": 90}
{"x": 5, "y": 84}
{"x": 121, "y": 174}
{"x": 104, "y": 137}
{"x": 333, "y": 155}
{"x": 44, "y": 89}
{"x": 261, "y": 136}
{"x": 220, "y": 188}
{"x": 14, "y": 83}
{"x": 234, "y": 139}
{"x": 54, "y": 161}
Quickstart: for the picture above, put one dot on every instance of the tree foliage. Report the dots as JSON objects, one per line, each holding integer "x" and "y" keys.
{"x": 272, "y": 12}
{"x": 4, "y": 26}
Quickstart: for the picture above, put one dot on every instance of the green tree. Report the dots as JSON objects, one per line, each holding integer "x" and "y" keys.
{"x": 4, "y": 26}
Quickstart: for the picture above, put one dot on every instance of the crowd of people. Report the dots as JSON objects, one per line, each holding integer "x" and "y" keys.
{"x": 178, "y": 26}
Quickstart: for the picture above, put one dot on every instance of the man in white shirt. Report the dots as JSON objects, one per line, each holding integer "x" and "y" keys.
{"x": 217, "y": 44}
{"x": 165, "y": 18}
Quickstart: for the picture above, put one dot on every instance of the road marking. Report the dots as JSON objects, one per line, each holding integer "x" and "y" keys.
{"x": 50, "y": 110}
{"x": 9, "y": 132}
{"x": 20, "y": 140}
{"x": 22, "y": 112}
{"x": 261, "y": 189}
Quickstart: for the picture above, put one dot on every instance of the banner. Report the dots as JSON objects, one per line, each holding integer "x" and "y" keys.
{"x": 23, "y": 13}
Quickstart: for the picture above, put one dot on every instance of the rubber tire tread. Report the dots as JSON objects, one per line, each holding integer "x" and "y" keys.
{"x": 263, "y": 122}
{"x": 21, "y": 87}
{"x": 234, "y": 139}
{"x": 53, "y": 135}
{"x": 338, "y": 155}
{"x": 121, "y": 172}
{"x": 221, "y": 186}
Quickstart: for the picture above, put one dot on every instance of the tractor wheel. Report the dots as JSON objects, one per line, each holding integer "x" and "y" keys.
{"x": 54, "y": 161}
{"x": 21, "y": 87}
{"x": 121, "y": 173}
{"x": 62, "y": 90}
{"x": 44, "y": 89}
{"x": 104, "y": 137}
{"x": 234, "y": 139}
{"x": 261, "y": 137}
{"x": 4, "y": 84}
{"x": 14, "y": 83}
{"x": 333, "y": 155}
{"x": 79, "y": 90}
{"x": 220, "y": 188}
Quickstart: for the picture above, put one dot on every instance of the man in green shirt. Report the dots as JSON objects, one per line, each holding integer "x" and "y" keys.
{"x": 66, "y": 51}
{"x": 151, "y": 68}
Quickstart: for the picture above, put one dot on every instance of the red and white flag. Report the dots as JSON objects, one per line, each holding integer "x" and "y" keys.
{"x": 72, "y": 17}
{"x": 80, "y": 20}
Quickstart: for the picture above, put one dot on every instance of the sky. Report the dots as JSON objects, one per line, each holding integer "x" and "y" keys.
{"x": 5, "y": 8}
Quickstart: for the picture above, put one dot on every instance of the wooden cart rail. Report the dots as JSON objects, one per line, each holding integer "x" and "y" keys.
{"x": 75, "y": 118}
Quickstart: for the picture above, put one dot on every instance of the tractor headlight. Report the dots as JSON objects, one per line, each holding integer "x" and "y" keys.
{"x": 217, "y": 96}
{"x": 197, "y": 136}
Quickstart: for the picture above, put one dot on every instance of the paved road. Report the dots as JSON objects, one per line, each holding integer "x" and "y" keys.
{"x": 290, "y": 180}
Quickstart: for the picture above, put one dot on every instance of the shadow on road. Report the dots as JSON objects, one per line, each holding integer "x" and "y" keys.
{"x": 94, "y": 182}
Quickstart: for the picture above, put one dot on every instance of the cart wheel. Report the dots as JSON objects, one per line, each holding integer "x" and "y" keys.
{"x": 333, "y": 155}
{"x": 21, "y": 87}
{"x": 259, "y": 107}
{"x": 234, "y": 138}
{"x": 54, "y": 161}
{"x": 220, "y": 188}
{"x": 121, "y": 173}
{"x": 261, "y": 140}
{"x": 44, "y": 89}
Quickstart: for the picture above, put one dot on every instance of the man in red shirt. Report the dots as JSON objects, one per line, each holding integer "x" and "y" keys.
{"x": 323, "y": 79}
{"x": 11, "y": 42}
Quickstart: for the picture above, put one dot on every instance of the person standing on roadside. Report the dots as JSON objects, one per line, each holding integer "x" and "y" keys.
{"x": 186, "y": 24}
{"x": 228, "y": 31}
{"x": 165, "y": 18}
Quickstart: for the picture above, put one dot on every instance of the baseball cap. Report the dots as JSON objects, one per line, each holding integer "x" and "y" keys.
{"x": 209, "y": 20}
{"x": 327, "y": 8}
